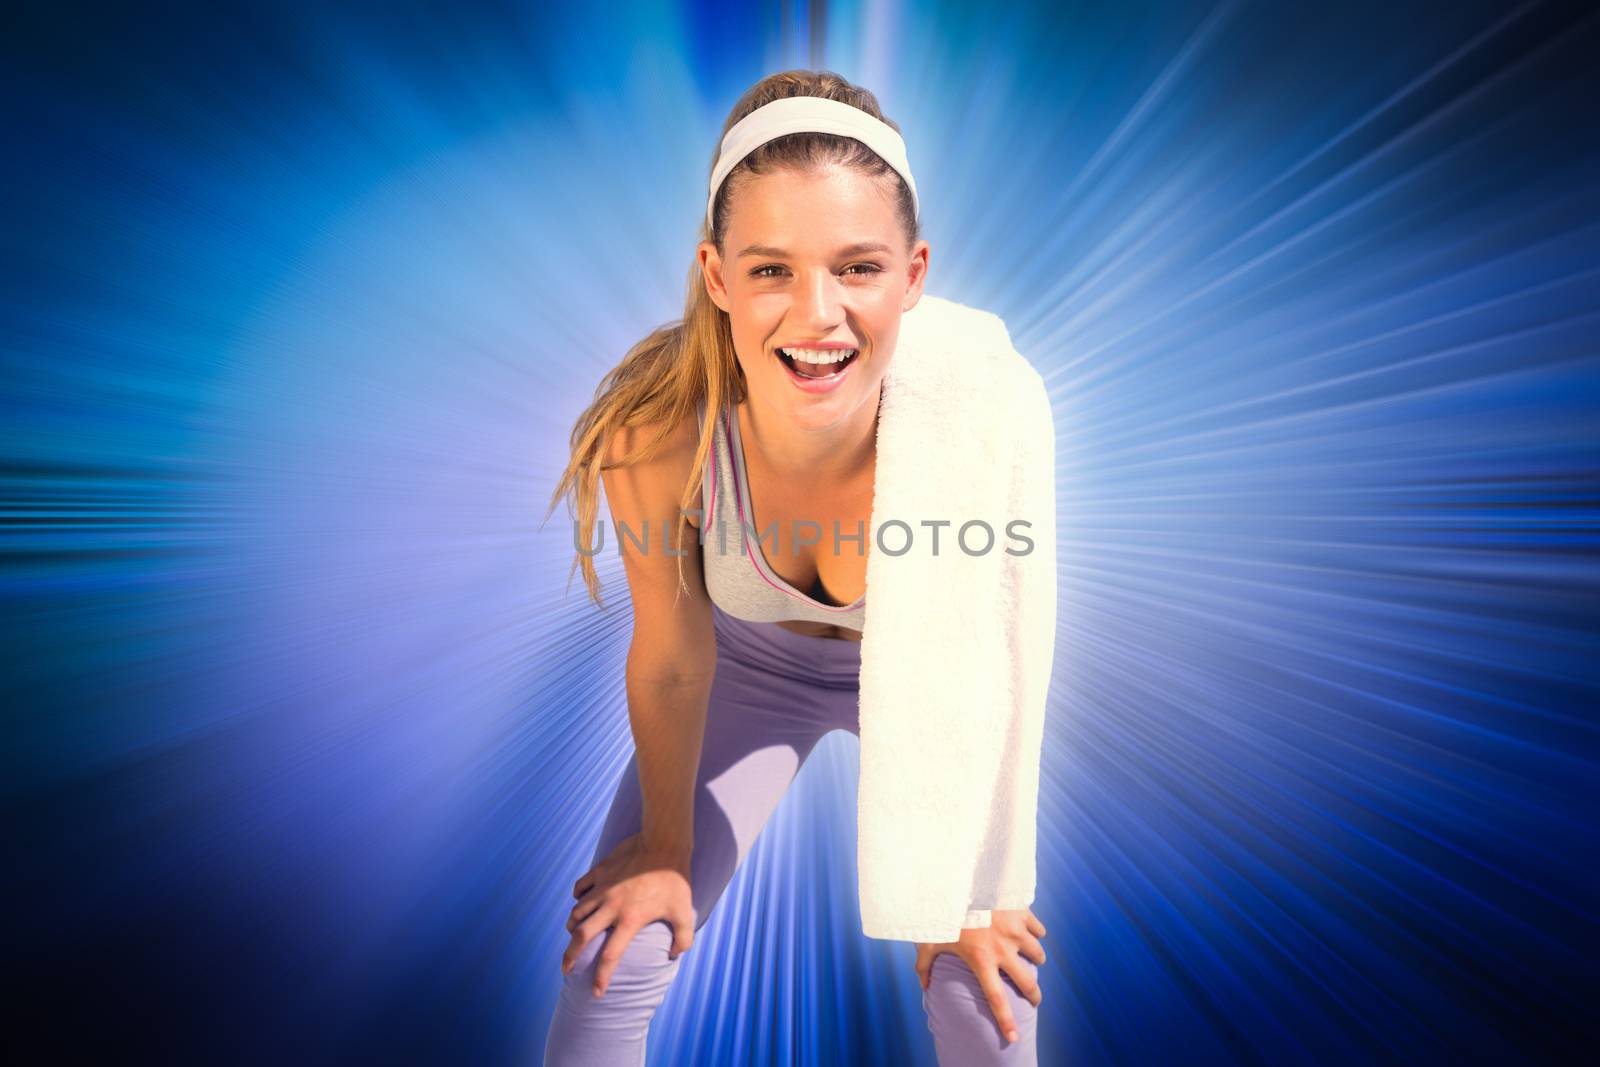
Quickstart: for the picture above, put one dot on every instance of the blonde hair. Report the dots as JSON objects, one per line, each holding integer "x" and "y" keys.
{"x": 663, "y": 377}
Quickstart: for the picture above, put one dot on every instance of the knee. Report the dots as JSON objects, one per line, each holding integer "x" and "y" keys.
{"x": 637, "y": 984}
{"x": 962, "y": 1020}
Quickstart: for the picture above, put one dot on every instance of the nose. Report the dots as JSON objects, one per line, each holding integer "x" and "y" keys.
{"x": 821, "y": 303}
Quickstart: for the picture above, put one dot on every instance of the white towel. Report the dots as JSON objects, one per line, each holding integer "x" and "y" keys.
{"x": 956, "y": 648}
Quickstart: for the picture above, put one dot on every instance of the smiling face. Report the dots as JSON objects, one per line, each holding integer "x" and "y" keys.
{"x": 814, "y": 258}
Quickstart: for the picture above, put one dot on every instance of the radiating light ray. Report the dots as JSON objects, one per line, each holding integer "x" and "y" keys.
{"x": 1403, "y": 139}
{"x": 1404, "y": 93}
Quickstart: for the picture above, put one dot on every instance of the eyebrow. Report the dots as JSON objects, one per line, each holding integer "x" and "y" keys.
{"x": 850, "y": 250}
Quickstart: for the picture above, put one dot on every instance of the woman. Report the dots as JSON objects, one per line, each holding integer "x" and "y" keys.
{"x": 763, "y": 402}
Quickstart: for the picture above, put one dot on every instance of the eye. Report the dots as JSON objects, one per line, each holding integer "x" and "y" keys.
{"x": 867, "y": 268}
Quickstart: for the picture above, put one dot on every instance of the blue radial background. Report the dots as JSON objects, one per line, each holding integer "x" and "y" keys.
{"x": 307, "y": 736}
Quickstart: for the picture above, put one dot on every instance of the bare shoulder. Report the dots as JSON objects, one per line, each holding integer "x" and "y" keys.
{"x": 660, "y": 478}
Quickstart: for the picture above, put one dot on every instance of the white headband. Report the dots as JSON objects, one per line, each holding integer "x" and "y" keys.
{"x": 809, "y": 114}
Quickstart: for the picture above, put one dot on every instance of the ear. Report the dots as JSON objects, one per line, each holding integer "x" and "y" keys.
{"x": 916, "y": 275}
{"x": 711, "y": 273}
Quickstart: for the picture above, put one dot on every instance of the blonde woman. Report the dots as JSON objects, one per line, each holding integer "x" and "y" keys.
{"x": 755, "y": 416}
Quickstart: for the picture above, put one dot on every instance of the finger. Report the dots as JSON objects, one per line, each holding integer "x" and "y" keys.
{"x": 1031, "y": 948}
{"x": 682, "y": 935}
{"x": 926, "y": 954}
{"x": 582, "y": 935}
{"x": 1035, "y": 927}
{"x": 594, "y": 888}
{"x": 1027, "y": 983}
{"x": 582, "y": 910}
{"x": 581, "y": 886}
{"x": 999, "y": 1003}
{"x": 611, "y": 955}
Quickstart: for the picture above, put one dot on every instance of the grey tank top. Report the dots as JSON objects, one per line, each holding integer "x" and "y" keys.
{"x": 738, "y": 578}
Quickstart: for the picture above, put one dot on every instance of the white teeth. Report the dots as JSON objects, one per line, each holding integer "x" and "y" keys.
{"x": 818, "y": 355}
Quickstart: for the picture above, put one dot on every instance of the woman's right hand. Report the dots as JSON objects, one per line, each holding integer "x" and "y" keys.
{"x": 632, "y": 887}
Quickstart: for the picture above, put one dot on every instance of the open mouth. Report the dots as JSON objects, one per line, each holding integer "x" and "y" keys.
{"x": 819, "y": 365}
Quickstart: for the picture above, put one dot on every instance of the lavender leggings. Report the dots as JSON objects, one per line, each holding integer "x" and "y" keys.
{"x": 775, "y": 695}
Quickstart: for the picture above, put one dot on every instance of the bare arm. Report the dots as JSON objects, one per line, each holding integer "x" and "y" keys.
{"x": 671, "y": 662}
{"x": 668, "y": 728}
{"x": 672, "y": 657}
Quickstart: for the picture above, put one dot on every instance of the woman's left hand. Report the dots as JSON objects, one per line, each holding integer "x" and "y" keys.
{"x": 991, "y": 950}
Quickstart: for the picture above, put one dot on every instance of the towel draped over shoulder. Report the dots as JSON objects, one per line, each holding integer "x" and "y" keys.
{"x": 959, "y": 633}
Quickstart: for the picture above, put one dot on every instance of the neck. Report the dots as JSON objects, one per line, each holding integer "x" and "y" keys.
{"x": 836, "y": 452}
